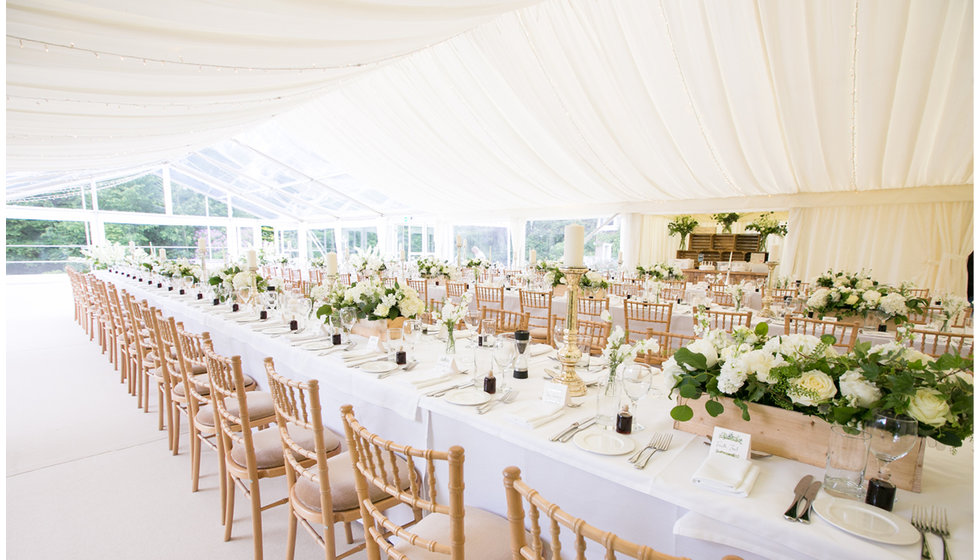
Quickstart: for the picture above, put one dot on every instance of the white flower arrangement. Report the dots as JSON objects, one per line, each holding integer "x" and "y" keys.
{"x": 848, "y": 294}
{"x": 373, "y": 300}
{"x": 592, "y": 281}
{"x": 104, "y": 256}
{"x": 618, "y": 352}
{"x": 452, "y": 313}
{"x": 952, "y": 306}
{"x": 660, "y": 271}
{"x": 367, "y": 262}
{"x": 737, "y": 291}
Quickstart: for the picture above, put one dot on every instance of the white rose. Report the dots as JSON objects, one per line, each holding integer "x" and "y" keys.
{"x": 732, "y": 377}
{"x": 851, "y": 299}
{"x": 241, "y": 280}
{"x": 928, "y": 407}
{"x": 706, "y": 349}
{"x": 857, "y": 390}
{"x": 672, "y": 371}
{"x": 812, "y": 388}
{"x": 865, "y": 283}
{"x": 760, "y": 362}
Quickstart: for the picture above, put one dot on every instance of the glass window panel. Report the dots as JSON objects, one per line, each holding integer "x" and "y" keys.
{"x": 65, "y": 199}
{"x": 32, "y": 242}
{"x": 143, "y": 194}
{"x": 187, "y": 201}
{"x": 179, "y": 241}
{"x": 320, "y": 242}
{"x": 547, "y": 237}
{"x": 217, "y": 208}
{"x": 359, "y": 238}
{"x": 246, "y": 238}
{"x": 485, "y": 242}
{"x": 289, "y": 243}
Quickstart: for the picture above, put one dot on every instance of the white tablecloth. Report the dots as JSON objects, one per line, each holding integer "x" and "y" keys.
{"x": 658, "y": 506}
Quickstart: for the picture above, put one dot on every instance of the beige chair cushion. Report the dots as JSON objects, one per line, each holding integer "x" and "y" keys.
{"x": 203, "y": 385}
{"x": 342, "y": 487}
{"x": 268, "y": 445}
{"x": 259, "y": 406}
{"x": 538, "y": 333}
{"x": 485, "y": 532}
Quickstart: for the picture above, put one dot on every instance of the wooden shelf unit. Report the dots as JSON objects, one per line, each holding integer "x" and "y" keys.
{"x": 715, "y": 247}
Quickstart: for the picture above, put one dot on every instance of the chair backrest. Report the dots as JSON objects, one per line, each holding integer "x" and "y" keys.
{"x": 455, "y": 290}
{"x": 538, "y": 307}
{"x": 919, "y": 293}
{"x": 728, "y": 320}
{"x": 420, "y": 285}
{"x": 166, "y": 351}
{"x": 639, "y": 317}
{"x": 519, "y": 493}
{"x": 928, "y": 315}
{"x": 389, "y": 281}
{"x": 624, "y": 289}
{"x": 721, "y": 298}
{"x": 316, "y": 275}
{"x": 505, "y": 321}
{"x": 782, "y": 293}
{"x": 375, "y": 461}
{"x": 489, "y": 296}
{"x": 670, "y": 293}
{"x": 192, "y": 349}
{"x": 937, "y": 343}
{"x": 845, "y": 333}
{"x": 344, "y": 278}
{"x": 596, "y": 333}
{"x": 590, "y": 309}
{"x": 669, "y": 343}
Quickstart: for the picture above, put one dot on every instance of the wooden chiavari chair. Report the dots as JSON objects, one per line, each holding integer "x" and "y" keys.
{"x": 449, "y": 530}
{"x": 845, "y": 333}
{"x": 197, "y": 390}
{"x": 624, "y": 289}
{"x": 669, "y": 343}
{"x": 936, "y": 343}
{"x": 505, "y": 321}
{"x": 344, "y": 278}
{"x": 248, "y": 456}
{"x": 455, "y": 291}
{"x": 590, "y": 309}
{"x": 389, "y": 281}
{"x": 519, "y": 493}
{"x": 922, "y": 293}
{"x": 596, "y": 333}
{"x": 489, "y": 296}
{"x": 783, "y": 293}
{"x": 143, "y": 350}
{"x": 639, "y": 317}
{"x": 316, "y": 276}
{"x": 719, "y": 296}
{"x": 167, "y": 377}
{"x": 672, "y": 293}
{"x": 328, "y": 484}
{"x": 420, "y": 285}
{"x": 728, "y": 320}
{"x": 538, "y": 307}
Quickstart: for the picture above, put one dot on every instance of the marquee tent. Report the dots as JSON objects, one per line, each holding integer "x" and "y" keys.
{"x": 853, "y": 115}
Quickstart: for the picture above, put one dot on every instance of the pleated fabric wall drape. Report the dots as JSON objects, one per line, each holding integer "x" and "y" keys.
{"x": 925, "y": 243}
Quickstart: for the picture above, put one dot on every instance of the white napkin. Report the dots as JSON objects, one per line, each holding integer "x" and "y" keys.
{"x": 726, "y": 475}
{"x": 534, "y": 414}
{"x": 536, "y": 350}
{"x": 352, "y": 356}
{"x": 432, "y": 378}
{"x": 464, "y": 334}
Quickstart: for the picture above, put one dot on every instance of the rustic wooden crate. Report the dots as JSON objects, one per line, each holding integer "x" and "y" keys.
{"x": 795, "y": 436}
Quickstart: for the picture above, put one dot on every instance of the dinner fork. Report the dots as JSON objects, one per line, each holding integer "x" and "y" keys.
{"x": 662, "y": 445}
{"x": 649, "y": 444}
{"x": 918, "y": 521}
{"x": 938, "y": 524}
{"x": 504, "y": 398}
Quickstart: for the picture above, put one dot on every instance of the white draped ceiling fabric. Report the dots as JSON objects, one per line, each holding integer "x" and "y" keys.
{"x": 535, "y": 109}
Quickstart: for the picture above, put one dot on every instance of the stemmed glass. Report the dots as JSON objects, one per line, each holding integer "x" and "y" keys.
{"x": 637, "y": 379}
{"x": 347, "y": 317}
{"x": 504, "y": 352}
{"x": 413, "y": 331}
{"x": 892, "y": 437}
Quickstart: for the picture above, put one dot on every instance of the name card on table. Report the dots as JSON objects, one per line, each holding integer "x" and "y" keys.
{"x": 555, "y": 393}
{"x": 731, "y": 443}
{"x": 372, "y": 343}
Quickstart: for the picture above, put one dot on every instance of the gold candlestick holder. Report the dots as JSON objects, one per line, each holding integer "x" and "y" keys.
{"x": 570, "y": 354}
{"x": 767, "y": 297}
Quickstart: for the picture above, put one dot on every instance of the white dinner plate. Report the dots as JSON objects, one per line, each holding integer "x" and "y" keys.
{"x": 467, "y": 397}
{"x": 275, "y": 330}
{"x": 378, "y": 367}
{"x": 605, "y": 442}
{"x": 865, "y": 521}
{"x": 248, "y": 319}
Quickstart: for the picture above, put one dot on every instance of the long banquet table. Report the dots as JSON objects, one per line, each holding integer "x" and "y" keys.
{"x": 657, "y": 506}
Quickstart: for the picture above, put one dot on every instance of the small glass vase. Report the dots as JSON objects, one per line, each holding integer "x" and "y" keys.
{"x": 450, "y": 341}
{"x": 683, "y": 246}
{"x": 607, "y": 401}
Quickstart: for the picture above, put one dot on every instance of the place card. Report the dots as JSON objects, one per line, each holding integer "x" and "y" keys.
{"x": 731, "y": 443}
{"x": 555, "y": 393}
{"x": 373, "y": 343}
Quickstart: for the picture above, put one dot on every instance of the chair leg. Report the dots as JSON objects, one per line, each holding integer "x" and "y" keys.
{"x": 256, "y": 518}
{"x": 291, "y": 534}
{"x": 160, "y": 411}
{"x": 348, "y": 533}
{"x": 175, "y": 417}
{"x": 223, "y": 473}
{"x": 229, "y": 505}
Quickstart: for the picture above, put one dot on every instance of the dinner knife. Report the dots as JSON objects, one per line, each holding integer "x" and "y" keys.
{"x": 580, "y": 427}
{"x": 799, "y": 491}
{"x": 811, "y": 493}
{"x": 571, "y": 427}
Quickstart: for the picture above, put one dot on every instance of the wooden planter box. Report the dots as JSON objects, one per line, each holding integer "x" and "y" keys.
{"x": 795, "y": 436}
{"x": 379, "y": 329}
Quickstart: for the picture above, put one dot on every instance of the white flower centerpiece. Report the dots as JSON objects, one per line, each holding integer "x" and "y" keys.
{"x": 593, "y": 283}
{"x": 373, "y": 302}
{"x": 617, "y": 351}
{"x": 803, "y": 374}
{"x": 952, "y": 306}
{"x": 660, "y": 271}
{"x": 850, "y": 296}
{"x": 449, "y": 316}
{"x": 100, "y": 257}
{"x": 737, "y": 291}
{"x": 368, "y": 263}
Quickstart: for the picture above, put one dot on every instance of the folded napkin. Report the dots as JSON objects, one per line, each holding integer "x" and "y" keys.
{"x": 726, "y": 475}
{"x": 534, "y": 414}
{"x": 352, "y": 356}
{"x": 464, "y": 334}
{"x": 536, "y": 350}
{"x": 432, "y": 378}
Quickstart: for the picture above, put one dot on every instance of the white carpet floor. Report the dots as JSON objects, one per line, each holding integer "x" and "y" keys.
{"x": 88, "y": 474}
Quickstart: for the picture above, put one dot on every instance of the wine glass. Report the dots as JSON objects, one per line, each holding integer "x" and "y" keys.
{"x": 413, "y": 331}
{"x": 347, "y": 317}
{"x": 892, "y": 437}
{"x": 637, "y": 379}
{"x": 504, "y": 352}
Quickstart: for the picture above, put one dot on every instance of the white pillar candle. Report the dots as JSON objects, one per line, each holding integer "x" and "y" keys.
{"x": 202, "y": 246}
{"x": 331, "y": 263}
{"x": 774, "y": 253}
{"x": 459, "y": 240}
{"x": 574, "y": 245}
{"x": 620, "y": 257}
{"x": 163, "y": 254}
{"x": 534, "y": 257}
{"x": 252, "y": 259}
